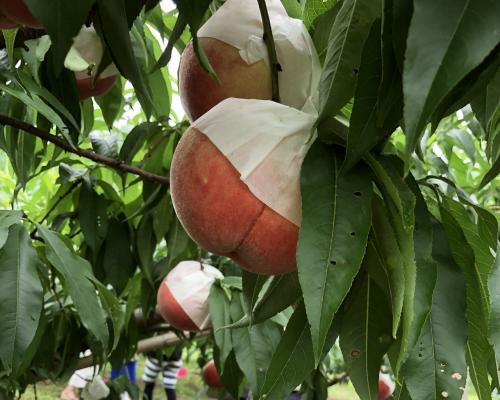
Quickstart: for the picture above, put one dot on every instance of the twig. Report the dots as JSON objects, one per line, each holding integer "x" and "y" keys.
{"x": 91, "y": 155}
{"x": 147, "y": 345}
{"x": 58, "y": 201}
{"x": 271, "y": 50}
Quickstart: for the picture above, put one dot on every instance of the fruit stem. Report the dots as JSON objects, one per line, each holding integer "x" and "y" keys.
{"x": 271, "y": 50}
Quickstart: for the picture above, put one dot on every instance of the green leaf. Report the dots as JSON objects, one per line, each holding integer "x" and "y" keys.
{"x": 21, "y": 296}
{"x": 446, "y": 40}
{"x": 292, "y": 8}
{"x": 10, "y": 40}
{"x": 92, "y": 216}
{"x": 400, "y": 205}
{"x": 180, "y": 244}
{"x": 78, "y": 278}
{"x": 426, "y": 266}
{"x": 312, "y": 9}
{"x": 349, "y": 32}
{"x": 220, "y": 316}
{"x": 278, "y": 293}
{"x": 114, "y": 311}
{"x": 437, "y": 366}
{"x": 473, "y": 256}
{"x": 136, "y": 139}
{"x": 105, "y": 145}
{"x": 7, "y": 219}
{"x": 114, "y": 25}
{"x": 252, "y": 285}
{"x": 494, "y": 288}
{"x": 254, "y": 347}
{"x": 292, "y": 360}
{"x": 146, "y": 244}
{"x": 62, "y": 20}
{"x": 117, "y": 260}
{"x": 365, "y": 335}
{"x": 384, "y": 261}
{"x": 333, "y": 235}
{"x": 364, "y": 132}
{"x": 179, "y": 27}
{"x": 111, "y": 103}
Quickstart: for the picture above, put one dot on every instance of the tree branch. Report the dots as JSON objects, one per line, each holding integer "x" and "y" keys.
{"x": 91, "y": 155}
{"x": 271, "y": 50}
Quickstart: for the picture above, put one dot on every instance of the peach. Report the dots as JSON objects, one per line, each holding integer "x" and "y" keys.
{"x": 199, "y": 92}
{"x": 172, "y": 312}
{"x": 88, "y": 88}
{"x": 18, "y": 12}
{"x": 385, "y": 387}
{"x": 183, "y": 295}
{"x": 6, "y": 23}
{"x": 211, "y": 376}
{"x": 220, "y": 213}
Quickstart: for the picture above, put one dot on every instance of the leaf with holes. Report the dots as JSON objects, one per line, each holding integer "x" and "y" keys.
{"x": 365, "y": 335}
{"x": 471, "y": 252}
{"x": 439, "y": 356}
{"x": 447, "y": 39}
{"x": 333, "y": 235}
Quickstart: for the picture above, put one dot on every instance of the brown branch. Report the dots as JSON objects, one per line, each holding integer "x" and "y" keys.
{"x": 271, "y": 50}
{"x": 146, "y": 345}
{"x": 91, "y": 155}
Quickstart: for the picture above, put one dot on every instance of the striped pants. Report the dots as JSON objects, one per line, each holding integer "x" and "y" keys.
{"x": 169, "y": 367}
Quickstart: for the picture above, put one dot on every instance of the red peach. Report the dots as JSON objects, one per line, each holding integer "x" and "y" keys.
{"x": 211, "y": 376}
{"x": 88, "y": 88}
{"x": 199, "y": 92}
{"x": 171, "y": 310}
{"x": 384, "y": 390}
{"x": 6, "y": 23}
{"x": 18, "y": 12}
{"x": 221, "y": 214}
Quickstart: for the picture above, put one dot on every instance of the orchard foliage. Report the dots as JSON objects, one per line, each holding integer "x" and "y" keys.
{"x": 398, "y": 251}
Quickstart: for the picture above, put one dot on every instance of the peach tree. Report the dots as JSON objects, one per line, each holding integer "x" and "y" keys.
{"x": 396, "y": 257}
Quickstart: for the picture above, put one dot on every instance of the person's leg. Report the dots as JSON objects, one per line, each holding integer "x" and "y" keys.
{"x": 151, "y": 370}
{"x": 171, "y": 366}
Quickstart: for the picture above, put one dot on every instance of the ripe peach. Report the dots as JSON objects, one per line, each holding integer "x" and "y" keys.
{"x": 84, "y": 59}
{"x": 171, "y": 311}
{"x": 6, "y": 23}
{"x": 88, "y": 88}
{"x": 221, "y": 214}
{"x": 211, "y": 376}
{"x": 183, "y": 295}
{"x": 199, "y": 92}
{"x": 385, "y": 387}
{"x": 18, "y": 12}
